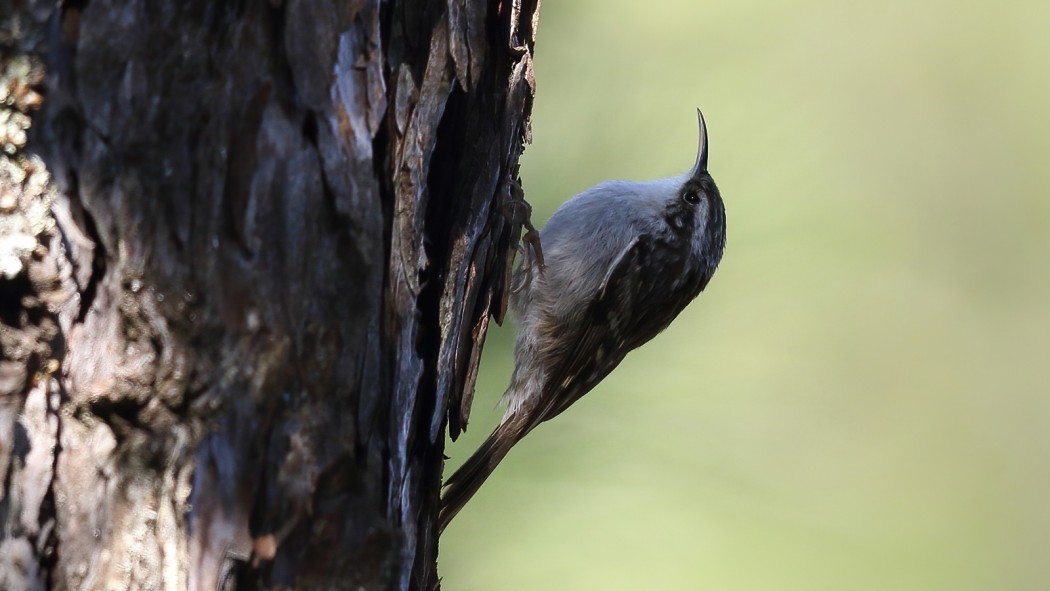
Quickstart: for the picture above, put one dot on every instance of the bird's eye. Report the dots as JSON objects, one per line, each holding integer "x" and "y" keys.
{"x": 691, "y": 196}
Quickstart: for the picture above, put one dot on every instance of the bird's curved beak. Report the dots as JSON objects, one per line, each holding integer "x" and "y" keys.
{"x": 701, "y": 150}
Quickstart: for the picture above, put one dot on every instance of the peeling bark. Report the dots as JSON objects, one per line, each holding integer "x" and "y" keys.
{"x": 248, "y": 253}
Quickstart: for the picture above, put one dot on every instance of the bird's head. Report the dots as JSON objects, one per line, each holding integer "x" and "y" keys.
{"x": 694, "y": 209}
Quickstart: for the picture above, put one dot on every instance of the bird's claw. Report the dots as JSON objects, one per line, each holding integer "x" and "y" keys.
{"x": 518, "y": 213}
{"x": 532, "y": 250}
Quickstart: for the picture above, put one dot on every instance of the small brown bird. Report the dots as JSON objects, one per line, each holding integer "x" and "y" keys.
{"x": 622, "y": 260}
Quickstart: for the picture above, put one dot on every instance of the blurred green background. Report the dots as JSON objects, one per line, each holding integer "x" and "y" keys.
{"x": 861, "y": 398}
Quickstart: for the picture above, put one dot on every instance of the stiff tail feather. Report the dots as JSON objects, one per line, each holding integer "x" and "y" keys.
{"x": 466, "y": 481}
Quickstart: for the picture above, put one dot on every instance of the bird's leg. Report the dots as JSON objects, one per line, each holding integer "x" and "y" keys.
{"x": 531, "y": 243}
{"x": 526, "y": 268}
{"x": 518, "y": 213}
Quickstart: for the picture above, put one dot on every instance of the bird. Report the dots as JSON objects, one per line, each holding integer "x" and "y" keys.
{"x": 621, "y": 261}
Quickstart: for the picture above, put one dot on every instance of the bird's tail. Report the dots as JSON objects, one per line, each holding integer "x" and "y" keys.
{"x": 466, "y": 481}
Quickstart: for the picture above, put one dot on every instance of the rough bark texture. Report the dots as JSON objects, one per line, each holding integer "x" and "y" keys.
{"x": 248, "y": 253}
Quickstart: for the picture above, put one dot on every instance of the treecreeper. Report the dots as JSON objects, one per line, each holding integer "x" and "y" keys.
{"x": 620, "y": 261}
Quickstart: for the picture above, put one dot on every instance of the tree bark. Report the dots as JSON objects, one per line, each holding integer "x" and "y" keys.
{"x": 248, "y": 255}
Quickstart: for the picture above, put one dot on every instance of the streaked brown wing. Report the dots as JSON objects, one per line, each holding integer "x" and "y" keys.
{"x": 600, "y": 344}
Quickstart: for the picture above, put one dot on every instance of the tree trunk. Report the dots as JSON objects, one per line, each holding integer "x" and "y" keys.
{"x": 247, "y": 259}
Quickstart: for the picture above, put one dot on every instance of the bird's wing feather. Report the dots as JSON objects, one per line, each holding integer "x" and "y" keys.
{"x": 599, "y": 345}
